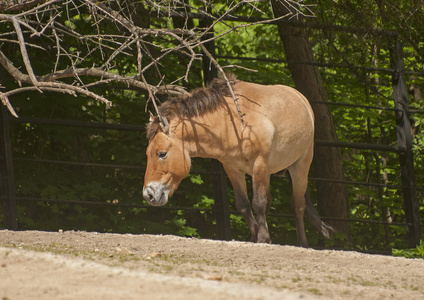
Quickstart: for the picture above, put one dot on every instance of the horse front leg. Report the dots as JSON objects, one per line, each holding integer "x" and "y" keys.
{"x": 238, "y": 180}
{"x": 261, "y": 200}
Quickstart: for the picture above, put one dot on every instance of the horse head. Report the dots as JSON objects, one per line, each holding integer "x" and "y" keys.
{"x": 167, "y": 164}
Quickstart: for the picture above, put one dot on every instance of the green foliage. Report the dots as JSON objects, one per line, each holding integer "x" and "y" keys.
{"x": 417, "y": 252}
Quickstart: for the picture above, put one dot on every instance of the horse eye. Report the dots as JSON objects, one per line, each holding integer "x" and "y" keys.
{"x": 162, "y": 154}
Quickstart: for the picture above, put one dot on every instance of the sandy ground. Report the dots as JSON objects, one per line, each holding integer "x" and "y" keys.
{"x": 83, "y": 265}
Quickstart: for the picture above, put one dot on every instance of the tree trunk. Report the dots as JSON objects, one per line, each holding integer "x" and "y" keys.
{"x": 332, "y": 197}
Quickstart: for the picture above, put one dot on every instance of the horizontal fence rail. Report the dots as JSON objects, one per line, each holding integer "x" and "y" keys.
{"x": 186, "y": 208}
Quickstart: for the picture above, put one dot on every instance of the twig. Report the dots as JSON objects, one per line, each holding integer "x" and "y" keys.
{"x": 240, "y": 67}
{"x": 5, "y": 101}
{"x": 24, "y": 52}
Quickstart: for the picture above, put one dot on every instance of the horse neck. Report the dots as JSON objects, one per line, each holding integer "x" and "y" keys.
{"x": 201, "y": 135}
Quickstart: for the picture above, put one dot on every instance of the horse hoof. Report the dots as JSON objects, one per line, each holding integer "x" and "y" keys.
{"x": 303, "y": 245}
{"x": 264, "y": 240}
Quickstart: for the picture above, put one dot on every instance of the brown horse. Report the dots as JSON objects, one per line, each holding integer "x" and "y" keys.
{"x": 278, "y": 134}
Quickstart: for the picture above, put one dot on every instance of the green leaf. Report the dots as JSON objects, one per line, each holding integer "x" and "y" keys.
{"x": 196, "y": 178}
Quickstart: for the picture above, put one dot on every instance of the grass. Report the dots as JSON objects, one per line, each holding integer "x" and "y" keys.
{"x": 417, "y": 252}
{"x": 314, "y": 291}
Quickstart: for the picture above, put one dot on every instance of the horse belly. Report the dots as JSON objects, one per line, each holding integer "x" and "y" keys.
{"x": 282, "y": 149}
{"x": 285, "y": 157}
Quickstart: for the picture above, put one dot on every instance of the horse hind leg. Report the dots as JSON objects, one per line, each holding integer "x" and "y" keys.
{"x": 238, "y": 181}
{"x": 299, "y": 177}
{"x": 261, "y": 200}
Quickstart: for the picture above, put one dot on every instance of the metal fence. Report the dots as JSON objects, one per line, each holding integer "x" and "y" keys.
{"x": 222, "y": 210}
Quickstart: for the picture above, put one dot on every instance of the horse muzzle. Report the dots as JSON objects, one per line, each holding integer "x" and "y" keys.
{"x": 156, "y": 193}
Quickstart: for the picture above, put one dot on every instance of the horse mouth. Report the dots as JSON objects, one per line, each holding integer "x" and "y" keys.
{"x": 156, "y": 194}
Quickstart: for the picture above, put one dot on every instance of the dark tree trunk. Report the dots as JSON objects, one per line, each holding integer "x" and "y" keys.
{"x": 332, "y": 197}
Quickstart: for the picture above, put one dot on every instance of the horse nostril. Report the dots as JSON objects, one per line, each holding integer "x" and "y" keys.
{"x": 151, "y": 196}
{"x": 148, "y": 194}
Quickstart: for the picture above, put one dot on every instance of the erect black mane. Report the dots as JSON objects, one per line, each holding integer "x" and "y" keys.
{"x": 201, "y": 101}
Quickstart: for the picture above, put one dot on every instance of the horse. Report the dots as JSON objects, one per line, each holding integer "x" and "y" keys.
{"x": 276, "y": 133}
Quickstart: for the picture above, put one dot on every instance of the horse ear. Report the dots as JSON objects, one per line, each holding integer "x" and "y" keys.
{"x": 163, "y": 122}
{"x": 152, "y": 117}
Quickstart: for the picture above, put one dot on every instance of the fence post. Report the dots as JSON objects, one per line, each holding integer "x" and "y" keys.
{"x": 222, "y": 210}
{"x": 7, "y": 185}
{"x": 404, "y": 138}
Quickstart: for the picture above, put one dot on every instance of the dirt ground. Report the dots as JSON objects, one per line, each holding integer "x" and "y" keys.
{"x": 89, "y": 265}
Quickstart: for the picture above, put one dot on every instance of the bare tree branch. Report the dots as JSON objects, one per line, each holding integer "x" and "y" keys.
{"x": 95, "y": 72}
{"x": 118, "y": 32}
{"x": 24, "y": 51}
{"x": 16, "y": 5}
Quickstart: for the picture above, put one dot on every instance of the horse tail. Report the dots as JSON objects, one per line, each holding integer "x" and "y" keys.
{"x": 326, "y": 230}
